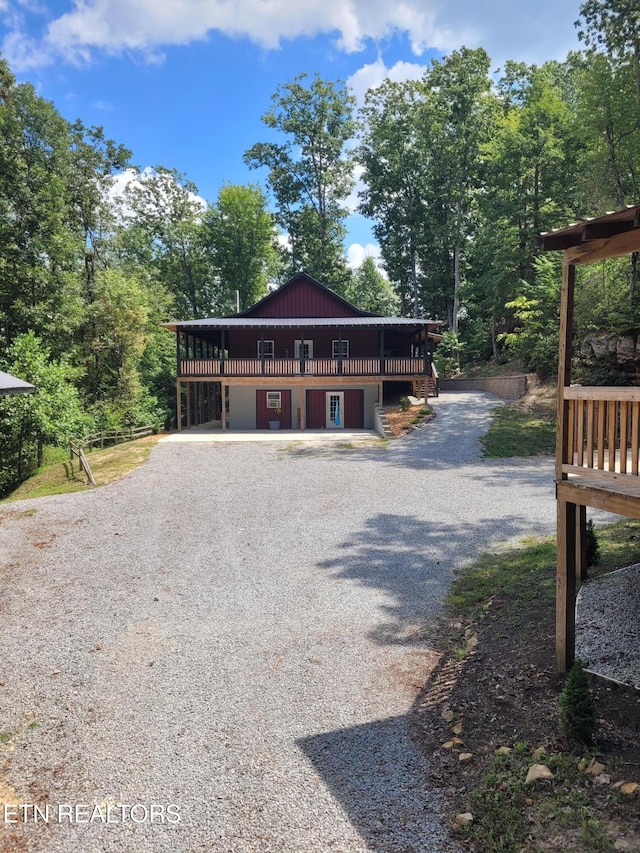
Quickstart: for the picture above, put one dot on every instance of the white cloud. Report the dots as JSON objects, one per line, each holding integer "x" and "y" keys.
{"x": 372, "y": 75}
{"x": 356, "y": 253}
{"x": 505, "y": 28}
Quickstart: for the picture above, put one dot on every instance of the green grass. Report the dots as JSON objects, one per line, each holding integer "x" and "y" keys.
{"x": 519, "y": 573}
{"x": 107, "y": 465}
{"x": 504, "y": 809}
{"x": 515, "y": 431}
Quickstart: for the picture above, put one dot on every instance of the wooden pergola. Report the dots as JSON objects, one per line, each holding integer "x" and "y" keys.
{"x": 598, "y": 433}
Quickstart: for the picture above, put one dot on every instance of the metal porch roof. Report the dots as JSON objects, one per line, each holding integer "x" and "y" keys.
{"x": 215, "y": 323}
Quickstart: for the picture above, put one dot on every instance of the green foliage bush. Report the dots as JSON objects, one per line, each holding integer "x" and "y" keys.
{"x": 593, "y": 546}
{"x": 578, "y": 712}
{"x": 405, "y": 403}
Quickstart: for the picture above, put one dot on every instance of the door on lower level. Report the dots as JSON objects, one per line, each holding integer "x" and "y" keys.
{"x": 334, "y": 410}
{"x": 351, "y": 409}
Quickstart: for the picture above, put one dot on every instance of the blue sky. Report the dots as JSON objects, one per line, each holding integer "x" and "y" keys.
{"x": 183, "y": 83}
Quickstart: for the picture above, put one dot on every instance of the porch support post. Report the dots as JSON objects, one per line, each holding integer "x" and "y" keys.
{"x": 188, "y": 405}
{"x": 339, "y": 350}
{"x": 178, "y": 405}
{"x": 301, "y": 353}
{"x": 382, "y": 352}
{"x": 303, "y": 413}
{"x": 566, "y": 586}
{"x": 262, "y": 350}
{"x": 564, "y": 365}
{"x": 567, "y": 520}
{"x": 223, "y": 405}
{"x": 426, "y": 351}
{"x": 178, "y": 359}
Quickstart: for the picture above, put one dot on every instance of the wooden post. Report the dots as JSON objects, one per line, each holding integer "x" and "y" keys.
{"x": 178, "y": 405}
{"x": 566, "y": 586}
{"x": 303, "y": 414}
{"x": 188, "y": 405}
{"x": 567, "y": 521}
{"x": 223, "y": 401}
{"x": 564, "y": 365}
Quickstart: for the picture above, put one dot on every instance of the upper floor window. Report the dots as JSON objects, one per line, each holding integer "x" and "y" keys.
{"x": 265, "y": 349}
{"x": 340, "y": 349}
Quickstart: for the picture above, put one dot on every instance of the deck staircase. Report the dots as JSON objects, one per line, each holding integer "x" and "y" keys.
{"x": 432, "y": 386}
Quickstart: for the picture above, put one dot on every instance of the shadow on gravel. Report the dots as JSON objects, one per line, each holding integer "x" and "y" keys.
{"x": 413, "y": 563}
{"x": 381, "y": 780}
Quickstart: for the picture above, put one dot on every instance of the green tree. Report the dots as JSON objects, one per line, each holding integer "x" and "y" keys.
{"x": 38, "y": 249}
{"x": 422, "y": 156}
{"x": 240, "y": 241}
{"x": 394, "y": 176}
{"x": 94, "y": 162}
{"x": 162, "y": 218}
{"x": 51, "y": 415}
{"x": 369, "y": 290}
{"x": 120, "y": 316}
{"x": 531, "y": 164}
{"x": 311, "y": 173}
{"x": 455, "y": 123}
{"x": 615, "y": 26}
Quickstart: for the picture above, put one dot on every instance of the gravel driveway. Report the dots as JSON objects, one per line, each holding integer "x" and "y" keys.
{"x": 230, "y": 636}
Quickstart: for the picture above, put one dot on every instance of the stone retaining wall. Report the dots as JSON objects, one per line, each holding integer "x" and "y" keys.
{"x": 505, "y": 387}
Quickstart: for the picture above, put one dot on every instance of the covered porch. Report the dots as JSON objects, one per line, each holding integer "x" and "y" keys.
{"x": 598, "y": 433}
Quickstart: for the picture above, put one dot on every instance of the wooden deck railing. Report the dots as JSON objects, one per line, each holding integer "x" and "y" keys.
{"x": 603, "y": 435}
{"x": 283, "y": 367}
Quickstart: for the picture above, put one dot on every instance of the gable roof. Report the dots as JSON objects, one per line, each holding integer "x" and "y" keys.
{"x": 302, "y": 302}
{"x": 303, "y": 291}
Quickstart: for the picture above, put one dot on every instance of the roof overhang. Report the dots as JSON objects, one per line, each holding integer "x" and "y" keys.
{"x": 371, "y": 322}
{"x": 11, "y": 385}
{"x": 623, "y": 224}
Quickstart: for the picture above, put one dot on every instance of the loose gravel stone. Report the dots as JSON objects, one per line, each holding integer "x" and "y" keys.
{"x": 235, "y": 632}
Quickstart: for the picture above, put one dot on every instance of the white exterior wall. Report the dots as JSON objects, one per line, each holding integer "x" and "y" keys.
{"x": 242, "y": 407}
{"x": 370, "y": 399}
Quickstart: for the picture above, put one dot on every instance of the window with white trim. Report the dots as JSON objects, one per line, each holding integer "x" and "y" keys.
{"x": 340, "y": 349}
{"x": 265, "y": 349}
{"x": 274, "y": 399}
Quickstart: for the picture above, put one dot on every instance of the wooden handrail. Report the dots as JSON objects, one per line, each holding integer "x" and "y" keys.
{"x": 250, "y": 367}
{"x": 603, "y": 430}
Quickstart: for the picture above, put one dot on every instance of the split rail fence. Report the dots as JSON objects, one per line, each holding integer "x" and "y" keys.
{"x": 102, "y": 439}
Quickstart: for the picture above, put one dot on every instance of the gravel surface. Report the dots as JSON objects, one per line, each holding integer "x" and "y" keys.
{"x": 234, "y": 630}
{"x": 608, "y": 625}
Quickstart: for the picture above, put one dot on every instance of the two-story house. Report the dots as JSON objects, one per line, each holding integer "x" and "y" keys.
{"x": 301, "y": 358}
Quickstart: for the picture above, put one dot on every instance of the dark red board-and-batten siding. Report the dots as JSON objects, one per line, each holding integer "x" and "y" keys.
{"x": 264, "y": 415}
{"x": 363, "y": 343}
{"x": 353, "y": 409}
{"x": 302, "y": 300}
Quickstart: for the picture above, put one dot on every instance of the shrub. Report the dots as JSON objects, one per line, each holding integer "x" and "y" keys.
{"x": 593, "y": 546}
{"x": 578, "y": 712}
{"x": 405, "y": 403}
